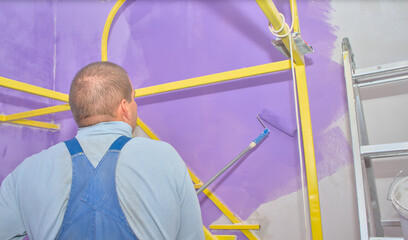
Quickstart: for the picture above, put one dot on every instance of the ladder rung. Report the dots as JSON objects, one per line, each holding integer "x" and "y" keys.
{"x": 381, "y": 70}
{"x": 385, "y": 150}
{"x": 237, "y": 226}
{"x": 391, "y": 222}
{"x": 371, "y": 82}
{"x": 386, "y": 238}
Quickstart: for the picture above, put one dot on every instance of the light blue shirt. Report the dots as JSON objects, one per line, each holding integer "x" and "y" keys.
{"x": 154, "y": 188}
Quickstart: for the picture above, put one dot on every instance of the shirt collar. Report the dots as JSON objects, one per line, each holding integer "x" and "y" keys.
{"x": 115, "y": 127}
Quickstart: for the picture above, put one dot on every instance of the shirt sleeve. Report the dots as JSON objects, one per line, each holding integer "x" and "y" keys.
{"x": 191, "y": 225}
{"x": 11, "y": 224}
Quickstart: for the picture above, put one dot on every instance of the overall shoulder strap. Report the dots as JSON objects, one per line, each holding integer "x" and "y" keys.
{"x": 73, "y": 146}
{"x": 119, "y": 143}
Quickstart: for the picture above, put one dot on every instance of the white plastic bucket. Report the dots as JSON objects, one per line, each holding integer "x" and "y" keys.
{"x": 399, "y": 199}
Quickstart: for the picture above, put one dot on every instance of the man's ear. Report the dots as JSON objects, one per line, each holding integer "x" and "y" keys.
{"x": 124, "y": 111}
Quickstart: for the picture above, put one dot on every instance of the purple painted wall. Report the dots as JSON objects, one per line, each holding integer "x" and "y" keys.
{"x": 26, "y": 55}
{"x": 164, "y": 41}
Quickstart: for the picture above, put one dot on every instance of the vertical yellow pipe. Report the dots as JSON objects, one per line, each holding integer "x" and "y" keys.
{"x": 308, "y": 148}
{"x": 274, "y": 18}
{"x": 293, "y": 8}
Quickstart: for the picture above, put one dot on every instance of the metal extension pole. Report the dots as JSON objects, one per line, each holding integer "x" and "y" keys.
{"x": 224, "y": 169}
{"x": 263, "y": 135}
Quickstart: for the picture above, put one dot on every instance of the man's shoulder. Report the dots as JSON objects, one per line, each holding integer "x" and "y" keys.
{"x": 153, "y": 151}
{"x": 53, "y": 151}
{"x": 149, "y": 144}
{"x": 43, "y": 162}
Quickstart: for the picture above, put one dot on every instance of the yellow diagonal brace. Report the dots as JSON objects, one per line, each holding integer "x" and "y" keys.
{"x": 308, "y": 148}
{"x": 31, "y": 123}
{"x": 273, "y": 15}
{"x": 208, "y": 235}
{"x": 193, "y": 177}
{"x": 214, "y": 78}
{"x": 146, "y": 129}
{"x": 38, "y": 112}
{"x": 36, "y": 124}
{"x": 28, "y": 88}
{"x": 237, "y": 226}
{"x": 198, "y": 185}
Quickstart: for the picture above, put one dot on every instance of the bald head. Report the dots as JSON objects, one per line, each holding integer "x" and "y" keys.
{"x": 96, "y": 92}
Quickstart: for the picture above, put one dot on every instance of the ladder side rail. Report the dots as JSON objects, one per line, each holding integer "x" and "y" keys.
{"x": 358, "y": 164}
{"x": 372, "y": 202}
{"x": 361, "y": 123}
{"x": 374, "y": 206}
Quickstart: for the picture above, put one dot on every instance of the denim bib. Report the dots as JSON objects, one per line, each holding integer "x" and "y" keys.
{"x": 93, "y": 210}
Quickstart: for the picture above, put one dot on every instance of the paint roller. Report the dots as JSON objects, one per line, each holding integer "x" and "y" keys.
{"x": 274, "y": 120}
{"x": 285, "y": 125}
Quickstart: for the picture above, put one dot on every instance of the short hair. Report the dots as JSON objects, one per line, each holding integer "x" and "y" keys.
{"x": 96, "y": 92}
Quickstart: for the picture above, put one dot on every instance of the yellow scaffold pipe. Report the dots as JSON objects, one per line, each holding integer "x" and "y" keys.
{"x": 30, "y": 123}
{"x": 38, "y": 112}
{"x": 38, "y": 124}
{"x": 308, "y": 149}
{"x": 214, "y": 78}
{"x": 28, "y": 88}
{"x": 106, "y": 29}
{"x": 39, "y": 91}
{"x": 274, "y": 17}
{"x": 293, "y": 8}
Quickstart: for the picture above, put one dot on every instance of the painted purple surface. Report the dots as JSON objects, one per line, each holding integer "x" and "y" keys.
{"x": 164, "y": 41}
{"x": 79, "y": 30}
{"x": 26, "y": 55}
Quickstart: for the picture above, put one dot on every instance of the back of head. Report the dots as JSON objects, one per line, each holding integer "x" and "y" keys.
{"x": 96, "y": 92}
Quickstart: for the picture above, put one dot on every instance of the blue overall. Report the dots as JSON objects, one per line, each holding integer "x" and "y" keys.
{"x": 93, "y": 210}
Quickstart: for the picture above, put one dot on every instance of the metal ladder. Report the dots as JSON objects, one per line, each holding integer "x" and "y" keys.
{"x": 371, "y": 223}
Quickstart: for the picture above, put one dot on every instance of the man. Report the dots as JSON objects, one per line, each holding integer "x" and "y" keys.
{"x": 102, "y": 184}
